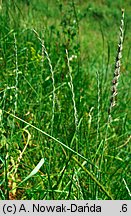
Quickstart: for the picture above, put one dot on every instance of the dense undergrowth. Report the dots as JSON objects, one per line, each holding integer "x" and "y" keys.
{"x": 56, "y": 66}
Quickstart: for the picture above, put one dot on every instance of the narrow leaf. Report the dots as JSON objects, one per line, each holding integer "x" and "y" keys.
{"x": 35, "y": 170}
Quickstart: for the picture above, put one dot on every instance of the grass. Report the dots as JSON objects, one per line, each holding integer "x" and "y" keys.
{"x": 57, "y": 64}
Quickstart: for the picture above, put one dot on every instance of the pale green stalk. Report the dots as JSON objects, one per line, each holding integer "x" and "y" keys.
{"x": 72, "y": 91}
{"x": 52, "y": 75}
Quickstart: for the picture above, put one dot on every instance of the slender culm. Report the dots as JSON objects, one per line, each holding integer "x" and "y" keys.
{"x": 117, "y": 67}
{"x": 16, "y": 74}
{"x": 72, "y": 90}
{"x": 44, "y": 50}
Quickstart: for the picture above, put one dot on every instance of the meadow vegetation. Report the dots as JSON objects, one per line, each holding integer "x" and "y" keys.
{"x": 57, "y": 62}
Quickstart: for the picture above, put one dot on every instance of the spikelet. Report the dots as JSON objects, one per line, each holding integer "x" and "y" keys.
{"x": 117, "y": 67}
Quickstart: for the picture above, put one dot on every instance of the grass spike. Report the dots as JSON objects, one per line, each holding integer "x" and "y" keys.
{"x": 117, "y": 67}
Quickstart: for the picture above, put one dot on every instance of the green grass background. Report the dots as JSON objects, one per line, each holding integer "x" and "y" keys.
{"x": 89, "y": 30}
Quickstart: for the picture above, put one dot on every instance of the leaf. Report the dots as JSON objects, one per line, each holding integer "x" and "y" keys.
{"x": 35, "y": 170}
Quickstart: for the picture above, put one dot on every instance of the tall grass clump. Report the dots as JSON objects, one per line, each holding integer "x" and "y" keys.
{"x": 57, "y": 140}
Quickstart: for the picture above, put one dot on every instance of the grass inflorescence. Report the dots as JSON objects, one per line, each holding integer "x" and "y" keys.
{"x": 117, "y": 66}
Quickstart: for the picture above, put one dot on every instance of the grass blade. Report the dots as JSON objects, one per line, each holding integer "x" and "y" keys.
{"x": 35, "y": 170}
